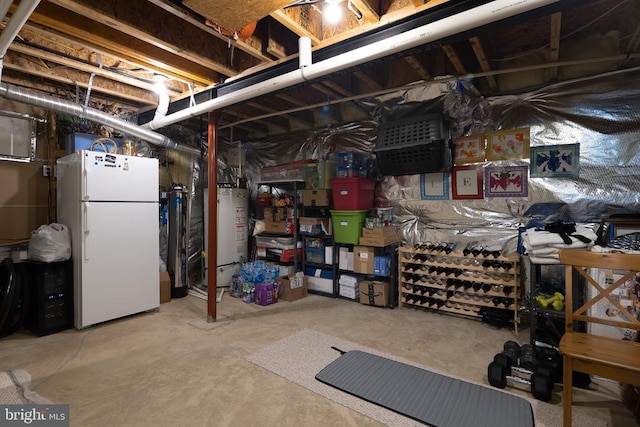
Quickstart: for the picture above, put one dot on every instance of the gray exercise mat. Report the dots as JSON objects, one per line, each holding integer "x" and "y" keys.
{"x": 425, "y": 396}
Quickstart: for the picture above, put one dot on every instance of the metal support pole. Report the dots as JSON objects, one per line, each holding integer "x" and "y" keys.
{"x": 212, "y": 249}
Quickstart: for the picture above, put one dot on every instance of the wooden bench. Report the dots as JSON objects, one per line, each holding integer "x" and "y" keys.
{"x": 586, "y": 352}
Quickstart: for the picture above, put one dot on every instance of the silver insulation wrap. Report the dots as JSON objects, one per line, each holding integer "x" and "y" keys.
{"x": 600, "y": 113}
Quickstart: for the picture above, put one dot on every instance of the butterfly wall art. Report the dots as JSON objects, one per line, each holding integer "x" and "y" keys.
{"x": 506, "y": 181}
{"x": 555, "y": 161}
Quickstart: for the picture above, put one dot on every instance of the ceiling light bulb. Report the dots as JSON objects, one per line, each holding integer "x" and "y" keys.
{"x": 332, "y": 12}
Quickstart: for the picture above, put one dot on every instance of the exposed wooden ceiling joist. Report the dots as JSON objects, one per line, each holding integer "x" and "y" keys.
{"x": 122, "y": 45}
{"x": 368, "y": 13}
{"x": 455, "y": 60}
{"x": 418, "y": 67}
{"x": 125, "y": 42}
{"x": 88, "y": 68}
{"x": 132, "y": 18}
{"x": 554, "y": 50}
{"x": 72, "y": 77}
{"x": 476, "y": 44}
{"x": 252, "y": 45}
{"x": 296, "y": 26}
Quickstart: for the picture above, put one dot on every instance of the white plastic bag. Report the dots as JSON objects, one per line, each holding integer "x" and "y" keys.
{"x": 50, "y": 243}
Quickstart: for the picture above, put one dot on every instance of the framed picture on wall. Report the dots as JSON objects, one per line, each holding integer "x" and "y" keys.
{"x": 469, "y": 149}
{"x": 555, "y": 161}
{"x": 467, "y": 182}
{"x": 508, "y": 144}
{"x": 434, "y": 186}
{"x": 506, "y": 181}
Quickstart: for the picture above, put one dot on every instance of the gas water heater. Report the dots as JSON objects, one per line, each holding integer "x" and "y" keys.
{"x": 233, "y": 205}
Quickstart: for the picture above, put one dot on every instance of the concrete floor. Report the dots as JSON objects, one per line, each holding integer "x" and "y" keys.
{"x": 171, "y": 368}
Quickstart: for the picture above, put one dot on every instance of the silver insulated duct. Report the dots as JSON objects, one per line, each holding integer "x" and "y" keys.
{"x": 27, "y": 96}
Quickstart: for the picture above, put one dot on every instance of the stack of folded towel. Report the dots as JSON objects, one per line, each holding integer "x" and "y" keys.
{"x": 542, "y": 246}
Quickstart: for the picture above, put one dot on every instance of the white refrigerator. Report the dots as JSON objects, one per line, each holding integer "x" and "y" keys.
{"x": 110, "y": 204}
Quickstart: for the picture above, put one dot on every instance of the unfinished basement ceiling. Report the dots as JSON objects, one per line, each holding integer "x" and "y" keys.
{"x": 122, "y": 44}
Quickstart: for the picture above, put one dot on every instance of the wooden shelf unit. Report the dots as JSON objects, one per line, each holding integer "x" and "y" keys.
{"x": 457, "y": 283}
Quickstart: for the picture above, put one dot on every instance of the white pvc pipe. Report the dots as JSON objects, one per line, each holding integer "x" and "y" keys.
{"x": 304, "y": 52}
{"x": 163, "y": 106}
{"x": 18, "y": 19}
{"x": 434, "y": 31}
{"x": 4, "y": 8}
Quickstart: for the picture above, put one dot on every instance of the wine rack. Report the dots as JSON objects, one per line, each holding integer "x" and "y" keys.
{"x": 435, "y": 277}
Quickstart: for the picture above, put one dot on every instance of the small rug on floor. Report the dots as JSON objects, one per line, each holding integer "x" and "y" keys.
{"x": 299, "y": 357}
{"x": 14, "y": 388}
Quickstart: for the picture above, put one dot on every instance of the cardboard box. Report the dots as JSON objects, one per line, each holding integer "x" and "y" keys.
{"x": 285, "y": 270}
{"x": 23, "y": 200}
{"x": 316, "y": 197}
{"x": 363, "y": 259}
{"x": 373, "y": 292}
{"x": 292, "y": 287}
{"x": 320, "y": 226}
{"x": 381, "y": 236}
{"x": 286, "y": 226}
{"x": 278, "y": 213}
{"x": 165, "y": 287}
{"x": 381, "y": 232}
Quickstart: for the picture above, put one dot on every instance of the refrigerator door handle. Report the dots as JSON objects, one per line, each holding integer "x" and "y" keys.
{"x": 85, "y": 223}
{"x": 85, "y": 179}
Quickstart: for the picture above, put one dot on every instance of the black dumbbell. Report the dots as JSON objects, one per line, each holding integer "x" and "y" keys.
{"x": 514, "y": 348}
{"x": 501, "y": 370}
{"x": 551, "y": 359}
{"x": 528, "y": 357}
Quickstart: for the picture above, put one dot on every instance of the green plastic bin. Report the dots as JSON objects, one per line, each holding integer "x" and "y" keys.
{"x": 347, "y": 225}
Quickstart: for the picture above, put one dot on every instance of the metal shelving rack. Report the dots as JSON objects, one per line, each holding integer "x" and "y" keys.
{"x": 390, "y": 250}
{"x": 291, "y": 186}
